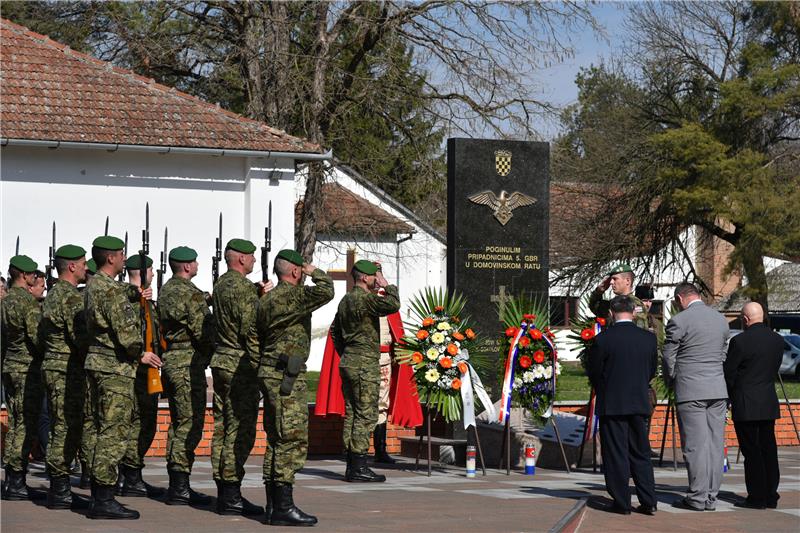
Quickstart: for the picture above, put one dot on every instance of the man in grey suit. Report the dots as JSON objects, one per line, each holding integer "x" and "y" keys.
{"x": 694, "y": 353}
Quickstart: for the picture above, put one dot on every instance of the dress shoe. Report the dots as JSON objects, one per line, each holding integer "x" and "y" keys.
{"x": 647, "y": 509}
{"x": 614, "y": 508}
{"x": 683, "y": 503}
{"x": 750, "y": 504}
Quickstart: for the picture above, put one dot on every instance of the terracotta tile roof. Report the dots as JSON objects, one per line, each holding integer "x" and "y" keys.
{"x": 347, "y": 214}
{"x": 51, "y": 92}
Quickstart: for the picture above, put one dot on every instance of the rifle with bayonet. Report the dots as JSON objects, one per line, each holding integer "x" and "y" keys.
{"x": 51, "y": 261}
{"x": 121, "y": 276}
{"x": 148, "y": 334}
{"x": 106, "y": 230}
{"x": 16, "y": 249}
{"x": 267, "y": 248}
{"x": 217, "y": 259}
{"x": 163, "y": 266}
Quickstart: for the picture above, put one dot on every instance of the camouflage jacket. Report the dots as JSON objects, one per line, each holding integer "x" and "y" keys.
{"x": 600, "y": 307}
{"x": 356, "y": 328}
{"x": 284, "y": 318}
{"x": 186, "y": 323}
{"x": 62, "y": 331}
{"x": 235, "y": 302}
{"x": 19, "y": 325}
{"x": 114, "y": 328}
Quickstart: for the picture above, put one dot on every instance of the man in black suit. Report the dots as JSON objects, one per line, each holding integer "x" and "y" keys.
{"x": 620, "y": 365}
{"x": 754, "y": 358}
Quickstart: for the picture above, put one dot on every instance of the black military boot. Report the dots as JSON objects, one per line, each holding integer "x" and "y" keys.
{"x": 120, "y": 484}
{"x": 359, "y": 471}
{"x": 86, "y": 477}
{"x": 269, "y": 487}
{"x": 284, "y": 512}
{"x": 231, "y": 502}
{"x": 180, "y": 493}
{"x": 105, "y": 506}
{"x": 59, "y": 496}
{"x": 14, "y": 487}
{"x": 379, "y": 438}
{"x": 349, "y": 467}
{"x": 134, "y": 485}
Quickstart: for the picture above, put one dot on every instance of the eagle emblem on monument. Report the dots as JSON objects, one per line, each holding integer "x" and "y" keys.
{"x": 504, "y": 204}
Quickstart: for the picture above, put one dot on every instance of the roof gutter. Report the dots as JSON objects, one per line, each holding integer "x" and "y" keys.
{"x": 113, "y": 147}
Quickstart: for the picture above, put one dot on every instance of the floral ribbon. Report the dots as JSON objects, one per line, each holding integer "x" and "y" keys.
{"x": 470, "y": 381}
{"x": 508, "y": 378}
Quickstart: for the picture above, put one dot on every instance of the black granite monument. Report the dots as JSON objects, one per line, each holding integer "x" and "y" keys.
{"x": 497, "y": 224}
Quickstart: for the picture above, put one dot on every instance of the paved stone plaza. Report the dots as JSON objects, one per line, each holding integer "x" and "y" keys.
{"x": 447, "y": 501}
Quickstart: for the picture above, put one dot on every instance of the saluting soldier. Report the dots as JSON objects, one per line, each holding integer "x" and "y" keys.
{"x": 144, "y": 415}
{"x": 188, "y": 328}
{"x": 115, "y": 352}
{"x": 356, "y": 333}
{"x": 620, "y": 279}
{"x": 234, "y": 367}
{"x": 64, "y": 340}
{"x": 22, "y": 380}
{"x": 284, "y": 325}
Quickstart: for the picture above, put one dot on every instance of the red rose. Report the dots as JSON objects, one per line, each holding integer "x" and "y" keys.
{"x": 587, "y": 334}
{"x": 525, "y": 361}
{"x": 536, "y": 334}
{"x": 538, "y": 356}
{"x": 524, "y": 341}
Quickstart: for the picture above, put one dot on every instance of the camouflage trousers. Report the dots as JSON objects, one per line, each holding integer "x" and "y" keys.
{"x": 235, "y": 416}
{"x": 89, "y": 432}
{"x": 113, "y": 401}
{"x": 24, "y": 404}
{"x": 286, "y": 424}
{"x": 185, "y": 388}
{"x": 360, "y": 387}
{"x": 144, "y": 417}
{"x": 66, "y": 396}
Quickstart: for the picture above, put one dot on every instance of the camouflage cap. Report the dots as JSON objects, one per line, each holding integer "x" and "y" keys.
{"x": 70, "y": 251}
{"x": 292, "y": 256}
{"x": 241, "y": 245}
{"x": 366, "y": 267}
{"x": 91, "y": 266}
{"x": 107, "y": 242}
{"x": 23, "y": 263}
{"x": 182, "y": 254}
{"x": 620, "y": 268}
{"x": 133, "y": 262}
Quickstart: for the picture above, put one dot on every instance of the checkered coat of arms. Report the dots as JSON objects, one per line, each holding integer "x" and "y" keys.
{"x": 502, "y": 162}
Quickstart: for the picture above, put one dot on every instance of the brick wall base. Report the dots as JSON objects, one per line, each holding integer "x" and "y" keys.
{"x": 325, "y": 433}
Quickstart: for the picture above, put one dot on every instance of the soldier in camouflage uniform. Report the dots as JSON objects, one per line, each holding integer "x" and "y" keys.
{"x": 115, "y": 352}
{"x": 144, "y": 415}
{"x": 188, "y": 328}
{"x": 89, "y": 432}
{"x": 620, "y": 279}
{"x": 64, "y": 340}
{"x": 21, "y": 372}
{"x": 356, "y": 332}
{"x": 234, "y": 367}
{"x": 284, "y": 326}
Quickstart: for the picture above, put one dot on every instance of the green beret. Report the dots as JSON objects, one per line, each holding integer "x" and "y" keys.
{"x": 70, "y": 251}
{"x": 133, "y": 262}
{"x": 91, "y": 266}
{"x": 23, "y": 263}
{"x": 241, "y": 245}
{"x": 183, "y": 254}
{"x": 292, "y": 256}
{"x": 366, "y": 267}
{"x": 107, "y": 242}
{"x": 620, "y": 268}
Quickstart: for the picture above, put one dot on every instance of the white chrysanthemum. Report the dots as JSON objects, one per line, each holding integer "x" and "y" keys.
{"x": 443, "y": 326}
{"x": 432, "y": 353}
{"x": 527, "y": 377}
{"x": 558, "y": 368}
{"x": 432, "y": 375}
{"x": 538, "y": 371}
{"x": 517, "y": 382}
{"x": 437, "y": 338}
{"x": 548, "y": 372}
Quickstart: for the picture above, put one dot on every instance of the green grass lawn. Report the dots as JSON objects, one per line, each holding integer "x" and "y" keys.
{"x": 573, "y": 385}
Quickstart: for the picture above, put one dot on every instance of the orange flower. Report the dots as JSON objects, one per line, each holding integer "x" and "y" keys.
{"x": 470, "y": 334}
{"x": 446, "y": 362}
{"x": 587, "y": 334}
{"x": 438, "y": 308}
{"x": 458, "y": 336}
{"x": 428, "y": 322}
{"x": 456, "y": 384}
{"x": 452, "y": 349}
{"x": 538, "y": 356}
{"x": 601, "y": 321}
{"x": 511, "y": 331}
{"x": 422, "y": 334}
{"x": 416, "y": 357}
{"x": 536, "y": 334}
{"x": 462, "y": 367}
{"x": 524, "y": 341}
{"x": 524, "y": 361}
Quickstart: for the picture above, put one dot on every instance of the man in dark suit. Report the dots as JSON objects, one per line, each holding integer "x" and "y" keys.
{"x": 620, "y": 365}
{"x": 754, "y": 358}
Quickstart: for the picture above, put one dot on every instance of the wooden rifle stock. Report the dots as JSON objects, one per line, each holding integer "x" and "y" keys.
{"x": 154, "y": 385}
